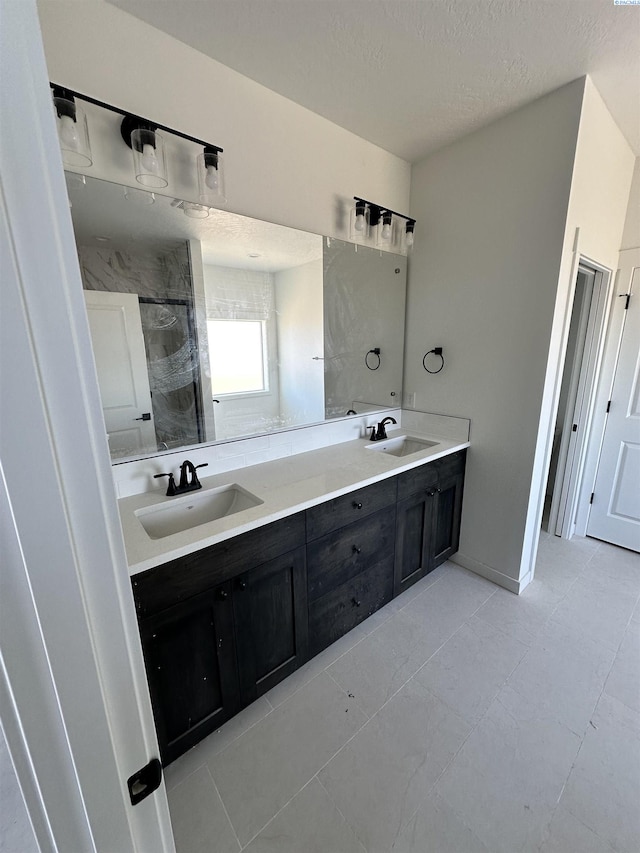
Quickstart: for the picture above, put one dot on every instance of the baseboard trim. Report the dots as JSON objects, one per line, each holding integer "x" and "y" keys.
{"x": 488, "y": 572}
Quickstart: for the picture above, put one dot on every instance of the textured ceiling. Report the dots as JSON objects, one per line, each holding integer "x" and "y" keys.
{"x": 413, "y": 75}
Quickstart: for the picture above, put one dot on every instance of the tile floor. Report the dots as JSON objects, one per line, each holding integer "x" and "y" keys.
{"x": 460, "y": 718}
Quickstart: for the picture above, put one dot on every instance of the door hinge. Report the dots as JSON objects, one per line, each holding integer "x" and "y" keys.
{"x": 593, "y": 494}
{"x": 574, "y": 428}
{"x": 145, "y": 781}
{"x": 608, "y": 407}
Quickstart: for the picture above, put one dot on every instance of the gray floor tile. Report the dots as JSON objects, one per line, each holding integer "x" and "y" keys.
{"x": 603, "y": 790}
{"x": 384, "y": 774}
{"x": 597, "y": 610}
{"x": 264, "y": 768}
{"x": 373, "y": 671}
{"x": 507, "y": 778}
{"x": 471, "y": 667}
{"x": 310, "y": 823}
{"x": 436, "y": 827}
{"x": 216, "y": 742}
{"x": 624, "y": 679}
{"x": 568, "y": 835}
{"x": 198, "y": 818}
{"x": 523, "y": 616}
{"x": 562, "y": 676}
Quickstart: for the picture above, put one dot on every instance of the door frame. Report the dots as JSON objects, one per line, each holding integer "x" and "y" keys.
{"x": 71, "y": 673}
{"x": 582, "y": 393}
{"x": 629, "y": 260}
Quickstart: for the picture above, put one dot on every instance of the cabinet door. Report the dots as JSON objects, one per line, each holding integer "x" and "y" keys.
{"x": 414, "y": 535}
{"x": 191, "y": 669}
{"x": 271, "y": 620}
{"x": 446, "y": 523}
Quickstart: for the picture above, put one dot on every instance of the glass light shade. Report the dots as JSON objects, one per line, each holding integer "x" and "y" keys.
{"x": 195, "y": 211}
{"x": 359, "y": 222}
{"x": 386, "y": 230}
{"x": 148, "y": 158}
{"x": 210, "y": 177}
{"x": 73, "y": 132}
{"x": 408, "y": 236}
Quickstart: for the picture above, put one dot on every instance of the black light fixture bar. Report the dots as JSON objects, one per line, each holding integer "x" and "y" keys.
{"x": 64, "y": 91}
{"x": 379, "y": 209}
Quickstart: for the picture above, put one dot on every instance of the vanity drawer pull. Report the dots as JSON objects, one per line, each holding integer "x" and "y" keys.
{"x": 356, "y": 602}
{"x": 357, "y": 550}
{"x": 356, "y": 505}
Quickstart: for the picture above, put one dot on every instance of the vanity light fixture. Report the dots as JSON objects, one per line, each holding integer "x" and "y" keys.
{"x": 73, "y": 132}
{"x": 367, "y": 218}
{"x": 146, "y": 143}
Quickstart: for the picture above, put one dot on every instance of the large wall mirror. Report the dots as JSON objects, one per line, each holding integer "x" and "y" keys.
{"x": 209, "y": 326}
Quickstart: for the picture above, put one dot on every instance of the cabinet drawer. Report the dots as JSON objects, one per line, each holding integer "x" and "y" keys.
{"x": 417, "y": 480}
{"x": 451, "y": 466}
{"x": 432, "y": 474}
{"x": 351, "y": 603}
{"x": 351, "y": 507}
{"x": 344, "y": 553}
{"x": 180, "y": 579}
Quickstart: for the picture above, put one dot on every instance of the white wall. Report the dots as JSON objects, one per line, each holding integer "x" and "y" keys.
{"x": 600, "y": 190}
{"x": 491, "y": 279}
{"x": 482, "y": 284}
{"x": 283, "y": 164}
{"x": 631, "y": 235}
{"x": 300, "y": 339}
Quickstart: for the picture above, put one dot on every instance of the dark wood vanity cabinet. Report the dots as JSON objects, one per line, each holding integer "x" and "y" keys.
{"x": 220, "y": 627}
{"x": 223, "y": 625}
{"x": 428, "y": 518}
{"x": 350, "y": 567}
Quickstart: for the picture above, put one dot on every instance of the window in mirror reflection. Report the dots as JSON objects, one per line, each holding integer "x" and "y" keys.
{"x": 237, "y": 351}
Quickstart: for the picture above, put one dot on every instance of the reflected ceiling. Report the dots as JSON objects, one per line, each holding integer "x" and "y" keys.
{"x": 103, "y": 216}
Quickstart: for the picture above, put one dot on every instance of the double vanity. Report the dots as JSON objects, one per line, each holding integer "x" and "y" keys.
{"x": 238, "y": 584}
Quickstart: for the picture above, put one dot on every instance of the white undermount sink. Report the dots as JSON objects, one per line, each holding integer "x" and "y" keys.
{"x": 401, "y": 445}
{"x": 194, "y": 509}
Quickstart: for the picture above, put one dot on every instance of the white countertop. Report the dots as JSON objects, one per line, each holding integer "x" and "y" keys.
{"x": 286, "y": 486}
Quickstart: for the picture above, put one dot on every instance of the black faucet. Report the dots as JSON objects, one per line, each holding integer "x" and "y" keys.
{"x": 381, "y": 433}
{"x": 185, "y": 484}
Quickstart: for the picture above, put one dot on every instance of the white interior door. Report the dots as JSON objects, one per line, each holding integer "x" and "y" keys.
{"x": 121, "y": 362}
{"x": 615, "y": 511}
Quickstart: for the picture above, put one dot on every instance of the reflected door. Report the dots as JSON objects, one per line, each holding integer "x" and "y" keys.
{"x": 118, "y": 346}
